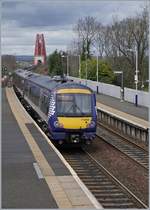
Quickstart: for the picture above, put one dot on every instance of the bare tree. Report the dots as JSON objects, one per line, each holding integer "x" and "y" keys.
{"x": 131, "y": 33}
{"x": 86, "y": 30}
{"x": 99, "y": 40}
{"x": 112, "y": 42}
{"x": 139, "y": 29}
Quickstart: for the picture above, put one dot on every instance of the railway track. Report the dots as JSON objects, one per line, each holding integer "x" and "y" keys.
{"x": 129, "y": 149}
{"x": 104, "y": 186}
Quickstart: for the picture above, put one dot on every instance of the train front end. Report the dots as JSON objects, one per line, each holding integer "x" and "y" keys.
{"x": 74, "y": 116}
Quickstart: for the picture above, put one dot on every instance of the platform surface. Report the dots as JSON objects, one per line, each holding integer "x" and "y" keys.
{"x": 33, "y": 175}
{"x": 125, "y": 110}
{"x": 20, "y": 184}
{"x": 127, "y": 107}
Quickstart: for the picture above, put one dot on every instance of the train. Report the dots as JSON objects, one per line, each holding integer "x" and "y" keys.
{"x": 68, "y": 109}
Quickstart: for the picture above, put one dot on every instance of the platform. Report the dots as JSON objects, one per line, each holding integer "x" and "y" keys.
{"x": 124, "y": 110}
{"x": 34, "y": 174}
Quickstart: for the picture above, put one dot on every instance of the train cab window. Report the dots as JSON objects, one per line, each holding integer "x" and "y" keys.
{"x": 74, "y": 104}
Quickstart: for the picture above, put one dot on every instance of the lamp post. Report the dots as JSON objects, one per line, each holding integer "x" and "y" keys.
{"x": 136, "y": 73}
{"x": 79, "y": 66}
{"x": 67, "y": 65}
{"x": 86, "y": 67}
{"x": 95, "y": 52}
{"x": 122, "y": 85}
{"x": 97, "y": 73}
{"x": 97, "y": 68}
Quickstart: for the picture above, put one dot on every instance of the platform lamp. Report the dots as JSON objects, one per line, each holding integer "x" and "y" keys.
{"x": 97, "y": 69}
{"x": 79, "y": 57}
{"x": 136, "y": 74}
{"x": 86, "y": 53}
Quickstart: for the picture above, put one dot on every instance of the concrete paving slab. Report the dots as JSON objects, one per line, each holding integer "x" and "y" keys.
{"x": 21, "y": 187}
{"x": 54, "y": 161}
{"x": 41, "y": 155}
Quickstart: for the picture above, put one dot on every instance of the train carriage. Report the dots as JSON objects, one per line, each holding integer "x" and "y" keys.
{"x": 67, "y": 108}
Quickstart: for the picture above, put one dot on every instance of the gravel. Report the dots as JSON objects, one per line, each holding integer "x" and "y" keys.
{"x": 127, "y": 171}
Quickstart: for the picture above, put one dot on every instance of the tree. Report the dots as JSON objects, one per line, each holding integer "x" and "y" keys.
{"x": 112, "y": 41}
{"x": 55, "y": 63}
{"x": 131, "y": 33}
{"x": 105, "y": 72}
{"x": 99, "y": 40}
{"x": 86, "y": 29}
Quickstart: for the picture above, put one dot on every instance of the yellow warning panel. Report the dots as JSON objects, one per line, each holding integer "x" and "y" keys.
{"x": 74, "y": 122}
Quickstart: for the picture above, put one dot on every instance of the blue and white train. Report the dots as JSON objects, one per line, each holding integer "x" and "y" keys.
{"x": 67, "y": 108}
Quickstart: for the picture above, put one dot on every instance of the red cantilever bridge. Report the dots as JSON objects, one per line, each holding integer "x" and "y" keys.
{"x": 40, "y": 50}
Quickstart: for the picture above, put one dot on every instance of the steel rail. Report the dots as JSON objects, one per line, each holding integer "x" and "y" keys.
{"x": 128, "y": 148}
{"x": 102, "y": 183}
{"x": 116, "y": 180}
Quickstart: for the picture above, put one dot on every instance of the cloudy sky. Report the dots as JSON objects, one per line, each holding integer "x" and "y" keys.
{"x": 23, "y": 19}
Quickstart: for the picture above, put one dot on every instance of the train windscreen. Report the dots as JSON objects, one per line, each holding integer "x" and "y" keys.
{"x": 74, "y": 105}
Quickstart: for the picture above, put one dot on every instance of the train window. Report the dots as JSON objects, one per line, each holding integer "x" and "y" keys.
{"x": 83, "y": 103}
{"x": 34, "y": 94}
{"x": 26, "y": 88}
{"x": 44, "y": 103}
{"x": 74, "y": 105}
{"x": 29, "y": 90}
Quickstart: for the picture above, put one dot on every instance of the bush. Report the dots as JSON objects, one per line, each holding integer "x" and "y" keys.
{"x": 105, "y": 73}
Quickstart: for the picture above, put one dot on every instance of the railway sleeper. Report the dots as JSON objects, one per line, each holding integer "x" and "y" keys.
{"x": 102, "y": 187}
{"x": 96, "y": 183}
{"x": 108, "y": 194}
{"x": 97, "y": 191}
{"x": 114, "y": 199}
{"x": 97, "y": 180}
{"x": 111, "y": 196}
{"x": 119, "y": 205}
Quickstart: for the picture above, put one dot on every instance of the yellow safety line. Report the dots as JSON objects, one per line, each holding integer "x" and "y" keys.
{"x": 53, "y": 184}
{"x": 130, "y": 118}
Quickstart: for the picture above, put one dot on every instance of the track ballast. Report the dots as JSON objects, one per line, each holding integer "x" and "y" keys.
{"x": 130, "y": 149}
{"x": 106, "y": 188}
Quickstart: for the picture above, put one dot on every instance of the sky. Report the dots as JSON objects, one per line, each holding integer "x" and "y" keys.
{"x": 23, "y": 19}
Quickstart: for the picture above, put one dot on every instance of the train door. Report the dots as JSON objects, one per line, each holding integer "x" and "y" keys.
{"x": 44, "y": 103}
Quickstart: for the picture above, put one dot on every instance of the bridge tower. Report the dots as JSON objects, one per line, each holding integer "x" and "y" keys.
{"x": 40, "y": 50}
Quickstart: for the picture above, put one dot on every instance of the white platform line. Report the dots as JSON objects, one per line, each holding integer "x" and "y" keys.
{"x": 38, "y": 171}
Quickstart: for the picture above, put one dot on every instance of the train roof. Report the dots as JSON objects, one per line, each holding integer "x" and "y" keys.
{"x": 48, "y": 82}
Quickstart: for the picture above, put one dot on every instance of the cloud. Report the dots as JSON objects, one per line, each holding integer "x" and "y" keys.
{"x": 22, "y": 20}
{"x": 57, "y": 13}
{"x": 16, "y": 40}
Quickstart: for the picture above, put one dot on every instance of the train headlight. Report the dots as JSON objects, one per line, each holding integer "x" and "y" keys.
{"x": 91, "y": 124}
{"x": 58, "y": 125}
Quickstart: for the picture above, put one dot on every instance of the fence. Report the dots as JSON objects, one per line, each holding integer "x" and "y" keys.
{"x": 114, "y": 91}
